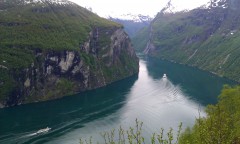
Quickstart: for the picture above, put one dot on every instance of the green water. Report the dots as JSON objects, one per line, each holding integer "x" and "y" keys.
{"x": 156, "y": 101}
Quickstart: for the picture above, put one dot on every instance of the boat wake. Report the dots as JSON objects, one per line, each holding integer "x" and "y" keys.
{"x": 41, "y": 131}
{"x": 170, "y": 92}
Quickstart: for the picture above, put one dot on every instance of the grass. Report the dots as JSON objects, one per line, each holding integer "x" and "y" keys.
{"x": 122, "y": 66}
{"x": 7, "y": 84}
{"x": 207, "y": 33}
{"x": 140, "y": 40}
{"x": 29, "y": 32}
{"x": 57, "y": 29}
{"x": 43, "y": 26}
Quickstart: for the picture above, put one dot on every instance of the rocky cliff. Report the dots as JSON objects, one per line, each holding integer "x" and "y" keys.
{"x": 50, "y": 49}
{"x": 206, "y": 37}
{"x": 132, "y": 23}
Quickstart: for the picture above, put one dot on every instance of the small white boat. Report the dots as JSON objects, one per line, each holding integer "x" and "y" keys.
{"x": 43, "y": 130}
{"x": 164, "y": 76}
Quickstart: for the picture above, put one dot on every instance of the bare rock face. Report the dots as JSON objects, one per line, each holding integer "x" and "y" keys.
{"x": 58, "y": 73}
{"x": 53, "y": 48}
{"x": 1, "y": 105}
{"x": 27, "y": 83}
{"x": 67, "y": 62}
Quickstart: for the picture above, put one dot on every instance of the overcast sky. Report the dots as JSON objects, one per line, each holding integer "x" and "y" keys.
{"x": 113, "y": 8}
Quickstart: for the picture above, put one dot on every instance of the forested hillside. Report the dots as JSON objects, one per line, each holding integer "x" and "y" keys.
{"x": 52, "y": 48}
{"x": 207, "y": 37}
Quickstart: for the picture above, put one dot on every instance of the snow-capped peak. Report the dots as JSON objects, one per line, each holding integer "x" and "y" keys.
{"x": 132, "y": 17}
{"x": 216, "y": 3}
{"x": 59, "y": 2}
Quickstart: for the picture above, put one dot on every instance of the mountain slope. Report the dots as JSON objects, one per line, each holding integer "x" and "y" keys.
{"x": 132, "y": 23}
{"x": 52, "y": 48}
{"x": 141, "y": 38}
{"x": 207, "y": 37}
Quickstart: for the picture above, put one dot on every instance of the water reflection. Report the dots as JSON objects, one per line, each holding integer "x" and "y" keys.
{"x": 63, "y": 115}
{"x": 200, "y": 86}
{"x": 156, "y": 101}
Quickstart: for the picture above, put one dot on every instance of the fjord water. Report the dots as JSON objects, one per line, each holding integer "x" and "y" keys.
{"x": 157, "y": 102}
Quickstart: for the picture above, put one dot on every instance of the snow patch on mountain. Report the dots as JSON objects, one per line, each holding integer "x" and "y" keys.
{"x": 59, "y": 2}
{"x": 216, "y": 3}
{"x": 132, "y": 17}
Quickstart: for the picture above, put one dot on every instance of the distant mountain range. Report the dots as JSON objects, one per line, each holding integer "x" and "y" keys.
{"x": 132, "y": 23}
{"x": 207, "y": 37}
{"x": 135, "y": 18}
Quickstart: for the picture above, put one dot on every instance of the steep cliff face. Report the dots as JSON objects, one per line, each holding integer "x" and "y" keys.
{"x": 98, "y": 53}
{"x": 132, "y": 23}
{"x": 205, "y": 37}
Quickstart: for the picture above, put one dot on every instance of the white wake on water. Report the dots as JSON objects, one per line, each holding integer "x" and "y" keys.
{"x": 169, "y": 91}
{"x": 174, "y": 93}
{"x": 41, "y": 131}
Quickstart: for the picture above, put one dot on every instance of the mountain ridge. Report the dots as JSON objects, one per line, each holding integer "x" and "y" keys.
{"x": 49, "y": 50}
{"x": 205, "y": 37}
{"x": 132, "y": 17}
{"x": 132, "y": 23}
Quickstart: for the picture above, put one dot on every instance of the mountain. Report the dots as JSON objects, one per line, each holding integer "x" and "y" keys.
{"x": 53, "y": 48}
{"x": 207, "y": 37}
{"x": 132, "y": 23}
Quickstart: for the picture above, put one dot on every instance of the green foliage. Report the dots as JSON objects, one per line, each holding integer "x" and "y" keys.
{"x": 141, "y": 39}
{"x": 48, "y": 26}
{"x": 104, "y": 36}
{"x": 122, "y": 66}
{"x": 135, "y": 136}
{"x": 131, "y": 27}
{"x": 221, "y": 125}
{"x": 6, "y": 84}
{"x": 63, "y": 87}
{"x": 88, "y": 59}
{"x": 206, "y": 38}
{"x": 16, "y": 57}
{"x": 45, "y": 26}
{"x": 66, "y": 86}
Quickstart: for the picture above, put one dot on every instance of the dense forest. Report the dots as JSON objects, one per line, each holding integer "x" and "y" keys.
{"x": 221, "y": 125}
{"x": 206, "y": 37}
